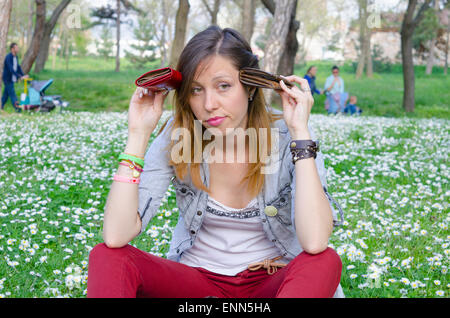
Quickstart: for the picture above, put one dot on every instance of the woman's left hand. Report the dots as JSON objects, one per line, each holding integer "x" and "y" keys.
{"x": 297, "y": 104}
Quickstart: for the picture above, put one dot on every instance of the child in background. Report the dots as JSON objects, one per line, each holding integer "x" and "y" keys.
{"x": 351, "y": 107}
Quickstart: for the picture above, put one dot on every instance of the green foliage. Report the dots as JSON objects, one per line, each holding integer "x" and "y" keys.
{"x": 380, "y": 64}
{"x": 105, "y": 44}
{"x": 426, "y": 31}
{"x": 81, "y": 43}
{"x": 333, "y": 45}
{"x": 145, "y": 34}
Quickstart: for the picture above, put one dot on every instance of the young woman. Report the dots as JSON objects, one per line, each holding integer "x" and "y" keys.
{"x": 310, "y": 76}
{"x": 242, "y": 231}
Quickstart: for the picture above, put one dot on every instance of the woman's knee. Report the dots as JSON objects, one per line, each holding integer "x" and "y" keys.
{"x": 102, "y": 251}
{"x": 332, "y": 258}
{"x": 329, "y": 258}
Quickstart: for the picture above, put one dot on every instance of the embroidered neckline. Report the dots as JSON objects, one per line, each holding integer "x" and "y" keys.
{"x": 237, "y": 215}
{"x": 244, "y": 213}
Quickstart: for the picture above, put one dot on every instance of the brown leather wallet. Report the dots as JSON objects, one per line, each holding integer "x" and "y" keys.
{"x": 258, "y": 78}
{"x": 161, "y": 79}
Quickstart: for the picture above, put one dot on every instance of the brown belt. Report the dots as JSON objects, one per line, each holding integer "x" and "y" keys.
{"x": 268, "y": 264}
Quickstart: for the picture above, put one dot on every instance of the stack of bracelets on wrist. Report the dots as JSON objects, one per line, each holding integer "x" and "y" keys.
{"x": 303, "y": 149}
{"x": 136, "y": 164}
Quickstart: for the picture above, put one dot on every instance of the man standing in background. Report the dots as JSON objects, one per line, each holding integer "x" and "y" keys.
{"x": 12, "y": 72}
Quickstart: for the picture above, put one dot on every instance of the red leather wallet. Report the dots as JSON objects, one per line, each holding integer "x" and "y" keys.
{"x": 161, "y": 79}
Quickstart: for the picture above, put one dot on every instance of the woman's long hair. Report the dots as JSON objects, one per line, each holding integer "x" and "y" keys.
{"x": 309, "y": 69}
{"x": 230, "y": 44}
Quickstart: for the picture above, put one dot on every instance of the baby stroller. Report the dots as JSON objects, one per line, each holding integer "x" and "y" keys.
{"x": 34, "y": 98}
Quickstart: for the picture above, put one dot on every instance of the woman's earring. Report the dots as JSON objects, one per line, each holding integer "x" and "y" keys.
{"x": 252, "y": 94}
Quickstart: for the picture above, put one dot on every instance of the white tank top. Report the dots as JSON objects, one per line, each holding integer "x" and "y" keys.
{"x": 229, "y": 240}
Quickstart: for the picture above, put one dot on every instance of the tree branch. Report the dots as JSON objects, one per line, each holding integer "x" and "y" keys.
{"x": 57, "y": 12}
{"x": 270, "y": 5}
{"x": 128, "y": 5}
{"x": 207, "y": 7}
{"x": 425, "y": 6}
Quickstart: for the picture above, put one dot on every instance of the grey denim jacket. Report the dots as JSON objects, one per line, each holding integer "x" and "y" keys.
{"x": 277, "y": 192}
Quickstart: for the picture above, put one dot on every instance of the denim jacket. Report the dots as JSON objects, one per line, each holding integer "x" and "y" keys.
{"x": 277, "y": 192}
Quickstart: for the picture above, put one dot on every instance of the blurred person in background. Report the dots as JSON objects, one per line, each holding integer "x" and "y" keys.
{"x": 334, "y": 89}
{"x": 310, "y": 76}
{"x": 12, "y": 72}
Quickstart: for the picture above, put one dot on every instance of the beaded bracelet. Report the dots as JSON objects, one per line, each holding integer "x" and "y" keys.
{"x": 134, "y": 159}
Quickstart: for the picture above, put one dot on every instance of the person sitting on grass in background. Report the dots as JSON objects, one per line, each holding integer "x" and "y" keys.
{"x": 12, "y": 72}
{"x": 310, "y": 76}
{"x": 334, "y": 90}
{"x": 351, "y": 107}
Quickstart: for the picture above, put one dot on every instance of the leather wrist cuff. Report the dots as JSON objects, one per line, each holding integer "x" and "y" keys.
{"x": 303, "y": 149}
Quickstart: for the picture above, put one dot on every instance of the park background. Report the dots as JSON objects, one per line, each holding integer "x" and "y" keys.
{"x": 387, "y": 168}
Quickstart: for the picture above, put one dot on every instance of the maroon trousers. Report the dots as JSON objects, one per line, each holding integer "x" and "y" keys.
{"x": 129, "y": 272}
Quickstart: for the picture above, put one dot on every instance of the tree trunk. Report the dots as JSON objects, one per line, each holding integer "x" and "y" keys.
{"x": 30, "y": 22}
{"x": 43, "y": 52}
{"x": 162, "y": 43}
{"x": 55, "y": 50}
{"x": 407, "y": 30}
{"x": 446, "y": 54}
{"x": 33, "y": 49}
{"x": 46, "y": 39}
{"x": 408, "y": 71}
{"x": 118, "y": 37}
{"x": 431, "y": 58}
{"x": 68, "y": 51}
{"x": 369, "y": 64}
{"x": 276, "y": 43}
{"x": 362, "y": 9}
{"x": 248, "y": 19}
{"x": 214, "y": 11}
{"x": 5, "y": 14}
{"x": 180, "y": 32}
{"x": 287, "y": 61}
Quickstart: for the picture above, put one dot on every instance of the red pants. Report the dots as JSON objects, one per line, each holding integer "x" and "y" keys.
{"x": 130, "y": 272}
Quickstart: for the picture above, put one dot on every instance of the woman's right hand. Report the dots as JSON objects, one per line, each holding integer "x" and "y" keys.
{"x": 145, "y": 110}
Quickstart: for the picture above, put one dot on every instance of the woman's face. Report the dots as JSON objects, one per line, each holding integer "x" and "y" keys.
{"x": 217, "y": 97}
{"x": 313, "y": 71}
{"x": 335, "y": 72}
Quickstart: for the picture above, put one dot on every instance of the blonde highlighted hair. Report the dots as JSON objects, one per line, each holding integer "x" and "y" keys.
{"x": 230, "y": 44}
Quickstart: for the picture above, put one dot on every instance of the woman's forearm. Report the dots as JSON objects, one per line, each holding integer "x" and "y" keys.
{"x": 121, "y": 222}
{"x": 313, "y": 215}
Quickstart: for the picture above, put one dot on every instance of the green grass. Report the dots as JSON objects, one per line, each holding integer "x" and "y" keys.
{"x": 390, "y": 176}
{"x": 90, "y": 84}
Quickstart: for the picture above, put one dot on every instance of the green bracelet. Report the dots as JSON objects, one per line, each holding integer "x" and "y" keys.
{"x": 134, "y": 159}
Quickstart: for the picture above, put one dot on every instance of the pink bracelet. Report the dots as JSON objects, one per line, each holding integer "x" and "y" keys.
{"x": 126, "y": 179}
